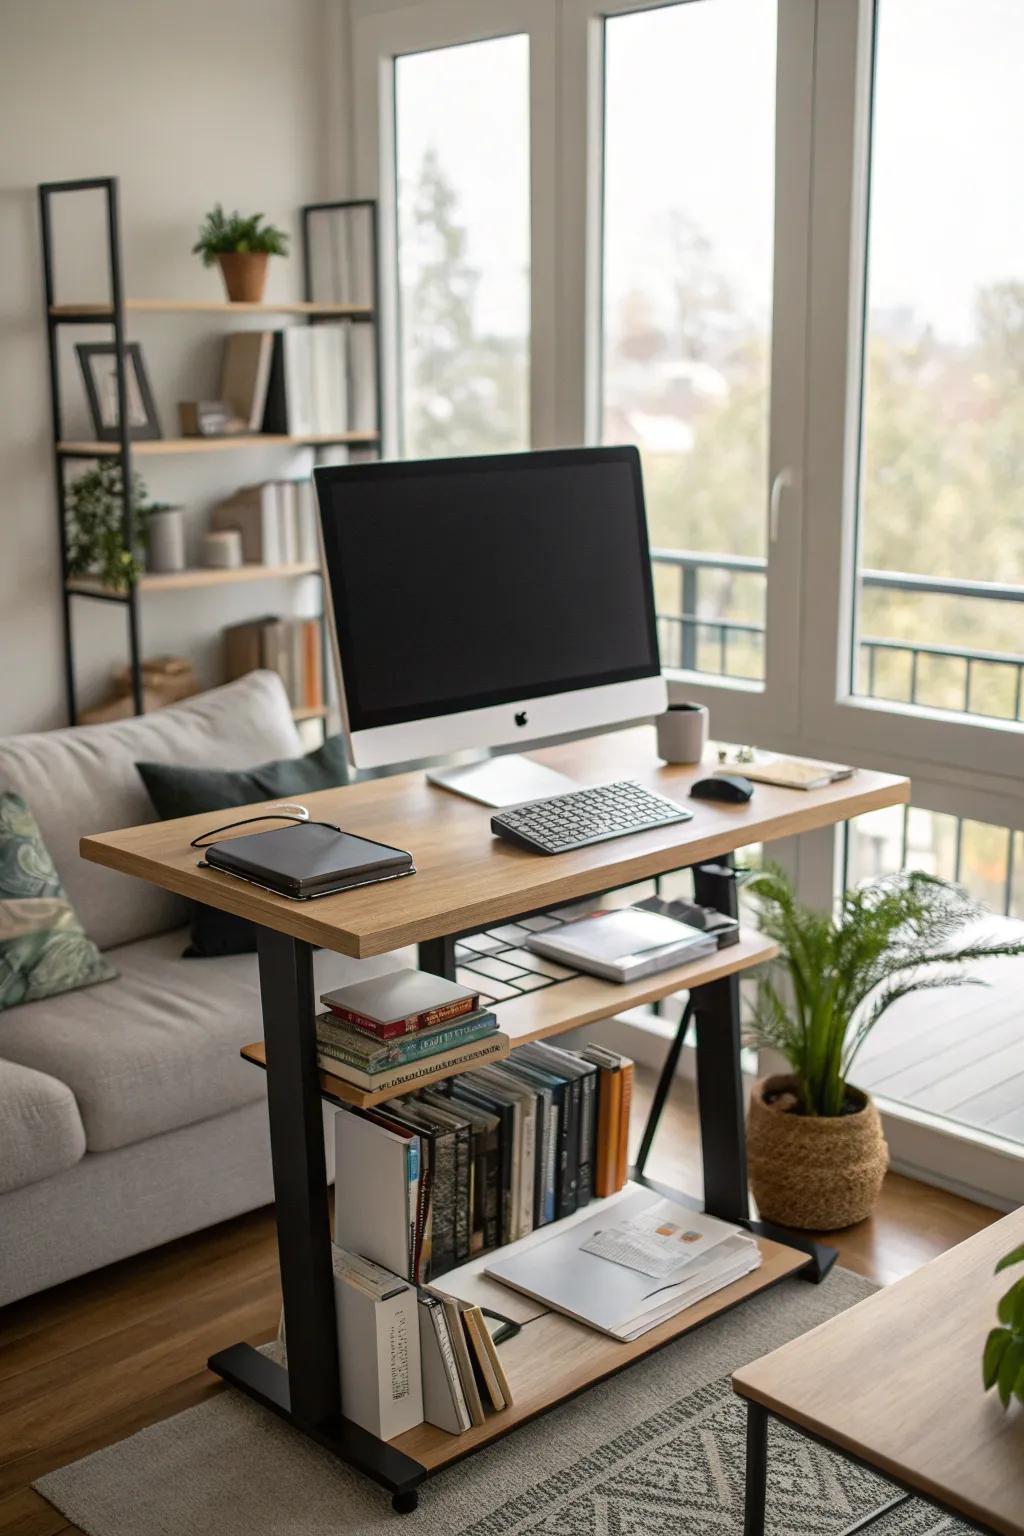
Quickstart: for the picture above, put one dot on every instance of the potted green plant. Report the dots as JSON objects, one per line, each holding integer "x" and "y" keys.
{"x": 241, "y": 246}
{"x": 816, "y": 1147}
{"x": 94, "y": 504}
{"x": 1003, "y": 1361}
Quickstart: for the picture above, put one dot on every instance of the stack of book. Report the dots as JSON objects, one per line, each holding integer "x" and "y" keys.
{"x": 303, "y": 381}
{"x": 290, "y": 647}
{"x": 276, "y": 519}
{"x": 479, "y": 1160}
{"x": 398, "y": 1028}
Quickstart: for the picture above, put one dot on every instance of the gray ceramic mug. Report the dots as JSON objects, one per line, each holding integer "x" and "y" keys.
{"x": 682, "y": 733}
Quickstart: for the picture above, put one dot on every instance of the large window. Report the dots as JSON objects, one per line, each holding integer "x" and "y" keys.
{"x": 940, "y": 578}
{"x": 688, "y": 211}
{"x": 463, "y": 222}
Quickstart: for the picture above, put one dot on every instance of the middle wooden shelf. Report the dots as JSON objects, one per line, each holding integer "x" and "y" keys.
{"x": 562, "y": 1006}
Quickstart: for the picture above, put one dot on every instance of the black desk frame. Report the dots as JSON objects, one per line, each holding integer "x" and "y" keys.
{"x": 308, "y": 1392}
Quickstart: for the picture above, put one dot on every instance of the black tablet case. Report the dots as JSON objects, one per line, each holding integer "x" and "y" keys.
{"x": 308, "y": 859}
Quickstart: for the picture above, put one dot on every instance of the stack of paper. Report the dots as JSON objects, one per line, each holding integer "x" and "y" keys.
{"x": 632, "y": 1265}
{"x": 623, "y": 944}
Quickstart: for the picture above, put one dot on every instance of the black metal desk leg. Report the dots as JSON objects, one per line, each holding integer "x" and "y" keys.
{"x": 661, "y": 1092}
{"x": 720, "y": 1096}
{"x": 300, "y": 1176}
{"x": 438, "y": 956}
{"x": 757, "y": 1470}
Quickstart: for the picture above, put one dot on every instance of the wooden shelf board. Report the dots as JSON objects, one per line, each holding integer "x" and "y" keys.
{"x": 552, "y": 1358}
{"x": 175, "y": 581}
{"x": 584, "y": 999}
{"x": 336, "y": 1091}
{"x": 310, "y": 712}
{"x": 164, "y": 445}
{"x": 570, "y": 1004}
{"x": 209, "y": 307}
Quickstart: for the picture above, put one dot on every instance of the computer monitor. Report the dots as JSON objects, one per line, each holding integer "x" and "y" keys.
{"x": 488, "y": 602}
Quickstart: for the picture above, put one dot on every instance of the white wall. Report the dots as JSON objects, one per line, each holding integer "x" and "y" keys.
{"x": 188, "y": 102}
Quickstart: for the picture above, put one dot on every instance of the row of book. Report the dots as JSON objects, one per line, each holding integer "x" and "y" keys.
{"x": 303, "y": 380}
{"x": 293, "y": 648}
{"x": 479, "y": 1160}
{"x": 409, "y": 1355}
{"x": 277, "y": 520}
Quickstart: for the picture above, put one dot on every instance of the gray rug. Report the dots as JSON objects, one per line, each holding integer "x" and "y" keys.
{"x": 657, "y": 1451}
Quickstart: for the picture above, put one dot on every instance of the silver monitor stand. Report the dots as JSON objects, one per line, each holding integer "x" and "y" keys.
{"x": 499, "y": 781}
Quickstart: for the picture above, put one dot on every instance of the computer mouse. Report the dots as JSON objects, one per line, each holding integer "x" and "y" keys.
{"x": 730, "y": 787}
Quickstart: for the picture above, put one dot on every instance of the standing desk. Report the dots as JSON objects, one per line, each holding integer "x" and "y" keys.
{"x": 467, "y": 880}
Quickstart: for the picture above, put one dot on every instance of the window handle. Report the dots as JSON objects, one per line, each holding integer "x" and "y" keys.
{"x": 782, "y": 482}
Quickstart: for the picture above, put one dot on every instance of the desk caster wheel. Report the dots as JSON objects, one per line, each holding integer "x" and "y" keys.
{"x": 405, "y": 1503}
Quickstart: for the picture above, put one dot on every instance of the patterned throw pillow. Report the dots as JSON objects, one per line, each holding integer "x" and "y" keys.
{"x": 43, "y": 948}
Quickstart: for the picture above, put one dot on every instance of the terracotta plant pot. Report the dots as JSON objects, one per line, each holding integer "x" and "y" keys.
{"x": 811, "y": 1172}
{"x": 245, "y": 275}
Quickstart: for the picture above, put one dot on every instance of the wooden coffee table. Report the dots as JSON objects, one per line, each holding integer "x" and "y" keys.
{"x": 895, "y": 1384}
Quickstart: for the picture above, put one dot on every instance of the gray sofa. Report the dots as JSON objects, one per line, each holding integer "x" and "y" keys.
{"x": 126, "y": 1115}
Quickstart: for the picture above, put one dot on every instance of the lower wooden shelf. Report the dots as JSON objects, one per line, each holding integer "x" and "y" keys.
{"x": 552, "y": 1358}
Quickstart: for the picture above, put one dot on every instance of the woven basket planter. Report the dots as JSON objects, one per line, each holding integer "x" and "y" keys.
{"x": 811, "y": 1172}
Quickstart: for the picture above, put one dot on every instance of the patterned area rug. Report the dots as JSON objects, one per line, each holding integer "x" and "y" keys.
{"x": 657, "y": 1451}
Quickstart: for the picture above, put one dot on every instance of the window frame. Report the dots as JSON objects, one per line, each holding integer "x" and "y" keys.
{"x": 845, "y": 723}
{"x": 379, "y": 37}
{"x": 740, "y": 710}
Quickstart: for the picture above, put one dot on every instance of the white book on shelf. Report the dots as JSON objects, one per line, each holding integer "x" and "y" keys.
{"x": 288, "y": 515}
{"x": 298, "y": 379}
{"x": 362, "y": 377}
{"x": 330, "y": 378}
{"x": 379, "y": 1355}
{"x": 372, "y": 1191}
{"x": 444, "y": 1402}
{"x": 306, "y": 522}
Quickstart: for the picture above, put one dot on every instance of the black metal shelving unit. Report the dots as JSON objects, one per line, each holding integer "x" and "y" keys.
{"x": 112, "y": 313}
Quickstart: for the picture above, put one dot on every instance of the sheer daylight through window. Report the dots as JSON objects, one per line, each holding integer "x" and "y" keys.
{"x": 464, "y": 247}
{"x": 940, "y": 580}
{"x": 687, "y": 308}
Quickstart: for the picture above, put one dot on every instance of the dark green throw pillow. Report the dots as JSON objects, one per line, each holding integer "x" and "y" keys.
{"x": 43, "y": 947}
{"x": 189, "y": 791}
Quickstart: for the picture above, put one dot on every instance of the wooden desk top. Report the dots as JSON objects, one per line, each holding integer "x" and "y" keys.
{"x": 467, "y": 878}
{"x": 897, "y": 1381}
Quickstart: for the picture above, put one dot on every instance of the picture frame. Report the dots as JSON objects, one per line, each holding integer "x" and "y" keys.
{"x": 98, "y": 362}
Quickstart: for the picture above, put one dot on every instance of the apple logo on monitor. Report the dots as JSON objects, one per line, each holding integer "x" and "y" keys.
{"x": 520, "y": 717}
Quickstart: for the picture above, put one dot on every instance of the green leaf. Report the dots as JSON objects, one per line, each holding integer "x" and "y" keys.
{"x": 995, "y": 1347}
{"x": 1010, "y": 1367}
{"x": 1016, "y": 1257}
{"x": 1011, "y": 1307}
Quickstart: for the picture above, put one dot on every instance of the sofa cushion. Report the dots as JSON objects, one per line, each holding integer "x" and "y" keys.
{"x": 177, "y": 791}
{"x": 40, "y": 1128}
{"x": 83, "y": 780}
{"x": 43, "y": 950}
{"x": 158, "y": 1048}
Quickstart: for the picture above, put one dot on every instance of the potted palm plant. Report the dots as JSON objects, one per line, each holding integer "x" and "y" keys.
{"x": 242, "y": 247}
{"x": 816, "y": 1147}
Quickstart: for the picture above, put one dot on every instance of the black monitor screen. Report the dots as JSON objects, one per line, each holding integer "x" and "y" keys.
{"x": 458, "y": 583}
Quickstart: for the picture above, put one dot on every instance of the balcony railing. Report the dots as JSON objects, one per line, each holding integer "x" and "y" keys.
{"x": 687, "y": 636}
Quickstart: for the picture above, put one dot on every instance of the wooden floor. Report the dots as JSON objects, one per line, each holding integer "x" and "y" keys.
{"x": 91, "y": 1361}
{"x": 958, "y": 1054}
